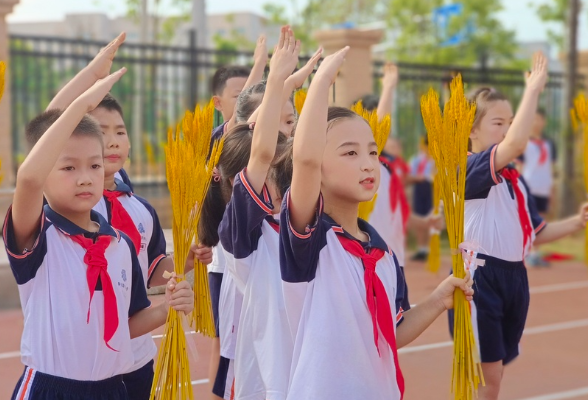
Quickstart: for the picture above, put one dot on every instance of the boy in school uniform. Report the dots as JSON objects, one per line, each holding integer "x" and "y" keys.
{"x": 79, "y": 278}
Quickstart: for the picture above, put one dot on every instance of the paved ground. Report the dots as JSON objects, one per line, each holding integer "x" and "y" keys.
{"x": 553, "y": 364}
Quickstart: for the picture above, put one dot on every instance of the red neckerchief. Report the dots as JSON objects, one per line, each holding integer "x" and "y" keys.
{"x": 512, "y": 175}
{"x": 422, "y": 165}
{"x": 98, "y": 267}
{"x": 397, "y": 194}
{"x": 120, "y": 218}
{"x": 377, "y": 299}
{"x": 542, "y": 150}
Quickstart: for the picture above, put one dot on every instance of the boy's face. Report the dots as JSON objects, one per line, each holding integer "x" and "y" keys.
{"x": 76, "y": 182}
{"x": 116, "y": 140}
{"x": 226, "y": 100}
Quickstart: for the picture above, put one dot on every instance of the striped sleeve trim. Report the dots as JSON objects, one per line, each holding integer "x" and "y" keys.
{"x": 260, "y": 202}
{"x": 154, "y": 265}
{"x": 495, "y": 177}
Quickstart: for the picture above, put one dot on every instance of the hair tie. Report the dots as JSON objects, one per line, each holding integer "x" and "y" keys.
{"x": 252, "y": 125}
{"x": 216, "y": 175}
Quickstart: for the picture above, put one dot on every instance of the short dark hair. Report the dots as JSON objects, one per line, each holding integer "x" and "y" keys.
{"x": 223, "y": 74}
{"x": 111, "y": 104}
{"x": 41, "y": 123}
{"x": 541, "y": 111}
{"x": 369, "y": 102}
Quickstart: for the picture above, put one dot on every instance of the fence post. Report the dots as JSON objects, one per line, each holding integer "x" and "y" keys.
{"x": 356, "y": 76}
{"x": 6, "y": 7}
{"x": 193, "y": 70}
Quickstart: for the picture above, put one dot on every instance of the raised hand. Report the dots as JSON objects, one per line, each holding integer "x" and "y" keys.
{"x": 179, "y": 296}
{"x": 101, "y": 64}
{"x": 537, "y": 77}
{"x": 94, "y": 95}
{"x": 260, "y": 53}
{"x": 331, "y": 65}
{"x": 298, "y": 78}
{"x": 285, "y": 57}
{"x": 390, "y": 79}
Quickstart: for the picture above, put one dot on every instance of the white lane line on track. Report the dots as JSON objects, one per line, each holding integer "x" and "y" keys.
{"x": 11, "y": 354}
{"x": 569, "y": 394}
{"x": 535, "y": 330}
{"x": 200, "y": 382}
{"x": 559, "y": 287}
{"x": 161, "y": 336}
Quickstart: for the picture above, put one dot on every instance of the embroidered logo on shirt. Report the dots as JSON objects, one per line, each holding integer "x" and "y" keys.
{"x": 123, "y": 274}
{"x": 140, "y": 228}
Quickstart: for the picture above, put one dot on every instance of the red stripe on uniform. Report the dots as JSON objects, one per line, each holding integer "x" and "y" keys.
{"x": 154, "y": 264}
{"x": 254, "y": 195}
{"x": 26, "y": 384}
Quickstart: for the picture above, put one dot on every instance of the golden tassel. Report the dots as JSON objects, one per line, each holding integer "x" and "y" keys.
{"x": 434, "y": 260}
{"x": 189, "y": 172}
{"x": 299, "y": 99}
{"x": 381, "y": 130}
{"x": 448, "y": 145}
{"x": 580, "y": 112}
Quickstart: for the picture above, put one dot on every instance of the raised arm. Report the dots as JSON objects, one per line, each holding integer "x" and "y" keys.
{"x": 265, "y": 135}
{"x": 98, "y": 68}
{"x": 294, "y": 81}
{"x": 259, "y": 62}
{"x": 518, "y": 134}
{"x": 309, "y": 143}
{"x": 31, "y": 177}
{"x": 389, "y": 83}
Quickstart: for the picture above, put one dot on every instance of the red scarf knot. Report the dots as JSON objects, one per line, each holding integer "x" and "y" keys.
{"x": 98, "y": 268}
{"x": 512, "y": 175}
{"x": 542, "y": 150}
{"x": 377, "y": 299}
{"x": 120, "y": 218}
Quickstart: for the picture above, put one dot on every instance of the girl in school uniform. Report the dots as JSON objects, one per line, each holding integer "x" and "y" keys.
{"x": 335, "y": 268}
{"x": 249, "y": 233}
{"x": 501, "y": 216}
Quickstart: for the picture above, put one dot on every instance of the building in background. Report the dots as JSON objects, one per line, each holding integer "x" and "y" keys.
{"x": 241, "y": 27}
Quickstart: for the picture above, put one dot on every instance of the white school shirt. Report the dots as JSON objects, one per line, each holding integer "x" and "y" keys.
{"x": 388, "y": 223}
{"x": 218, "y": 261}
{"x": 57, "y": 338}
{"x": 153, "y": 250}
{"x": 491, "y": 210}
{"x": 264, "y": 343}
{"x": 229, "y": 310}
{"x": 539, "y": 176}
{"x": 335, "y": 356}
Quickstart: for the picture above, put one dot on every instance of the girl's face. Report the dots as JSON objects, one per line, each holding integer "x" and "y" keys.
{"x": 287, "y": 119}
{"x": 492, "y": 128}
{"x": 350, "y": 169}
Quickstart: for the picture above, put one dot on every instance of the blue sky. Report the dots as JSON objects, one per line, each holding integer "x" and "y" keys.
{"x": 517, "y": 14}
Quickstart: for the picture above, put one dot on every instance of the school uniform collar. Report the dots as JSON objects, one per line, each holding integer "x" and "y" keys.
{"x": 71, "y": 229}
{"x": 122, "y": 187}
{"x": 375, "y": 240}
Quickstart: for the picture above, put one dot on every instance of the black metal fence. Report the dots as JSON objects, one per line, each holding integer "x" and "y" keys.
{"x": 416, "y": 79}
{"x": 163, "y": 81}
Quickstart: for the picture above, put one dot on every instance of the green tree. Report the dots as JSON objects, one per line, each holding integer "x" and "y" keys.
{"x": 553, "y": 11}
{"x": 414, "y": 35}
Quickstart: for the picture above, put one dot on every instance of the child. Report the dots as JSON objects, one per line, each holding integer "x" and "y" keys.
{"x": 422, "y": 169}
{"x": 229, "y": 81}
{"x": 329, "y": 259}
{"x": 249, "y": 233}
{"x": 538, "y": 160}
{"x": 502, "y": 218}
{"x": 64, "y": 256}
{"x": 229, "y": 300}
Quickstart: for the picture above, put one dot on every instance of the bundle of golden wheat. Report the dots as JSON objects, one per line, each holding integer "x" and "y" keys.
{"x": 580, "y": 113}
{"x": 448, "y": 145}
{"x": 434, "y": 260}
{"x": 299, "y": 99}
{"x": 381, "y": 130}
{"x": 189, "y": 171}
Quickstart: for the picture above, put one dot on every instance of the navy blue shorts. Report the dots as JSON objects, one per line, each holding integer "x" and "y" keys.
{"x": 422, "y": 198}
{"x": 542, "y": 203}
{"x": 223, "y": 379}
{"x": 215, "y": 279}
{"x": 139, "y": 382}
{"x": 499, "y": 309}
{"x": 34, "y": 385}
